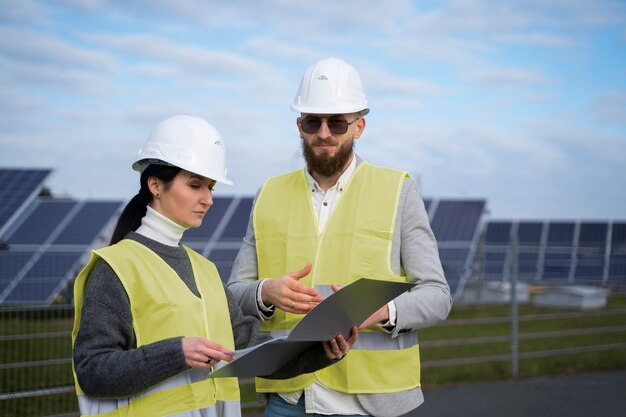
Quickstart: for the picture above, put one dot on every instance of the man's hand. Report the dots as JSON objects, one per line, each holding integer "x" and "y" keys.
{"x": 204, "y": 353}
{"x": 381, "y": 316}
{"x": 339, "y": 346}
{"x": 288, "y": 294}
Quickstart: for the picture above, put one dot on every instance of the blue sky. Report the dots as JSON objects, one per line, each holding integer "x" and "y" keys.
{"x": 522, "y": 103}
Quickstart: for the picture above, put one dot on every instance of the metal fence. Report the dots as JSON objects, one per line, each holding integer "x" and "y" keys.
{"x": 35, "y": 359}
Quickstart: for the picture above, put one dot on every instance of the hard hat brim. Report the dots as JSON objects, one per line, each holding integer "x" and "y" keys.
{"x": 139, "y": 164}
{"x": 318, "y": 110}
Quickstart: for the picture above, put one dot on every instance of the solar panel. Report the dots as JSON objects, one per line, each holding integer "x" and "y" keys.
{"x": 498, "y": 233}
{"x": 618, "y": 239}
{"x": 223, "y": 260}
{"x": 591, "y": 254}
{"x": 34, "y": 291}
{"x": 617, "y": 269}
{"x": 593, "y": 235}
{"x": 561, "y": 234}
{"x": 11, "y": 263}
{"x": 17, "y": 186}
{"x": 557, "y": 258}
{"x": 529, "y": 233}
{"x": 210, "y": 222}
{"x": 557, "y": 252}
{"x": 557, "y": 266}
{"x": 37, "y": 227}
{"x": 494, "y": 266}
{"x": 527, "y": 264}
{"x": 589, "y": 270}
{"x": 453, "y": 261}
{"x": 87, "y": 223}
{"x": 457, "y": 220}
{"x": 455, "y": 224}
{"x": 236, "y": 227}
{"x": 427, "y": 202}
{"x": 45, "y": 246}
{"x": 38, "y": 285}
{"x": 617, "y": 262}
{"x": 52, "y": 265}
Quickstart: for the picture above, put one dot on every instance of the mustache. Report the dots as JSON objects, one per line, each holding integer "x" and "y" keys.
{"x": 319, "y": 142}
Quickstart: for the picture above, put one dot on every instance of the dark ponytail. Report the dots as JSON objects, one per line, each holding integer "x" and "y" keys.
{"x": 135, "y": 210}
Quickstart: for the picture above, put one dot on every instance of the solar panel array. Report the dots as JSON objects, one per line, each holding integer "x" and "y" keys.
{"x": 43, "y": 247}
{"x": 46, "y": 246}
{"x": 579, "y": 252}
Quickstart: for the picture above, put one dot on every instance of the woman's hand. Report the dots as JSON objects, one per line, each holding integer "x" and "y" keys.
{"x": 339, "y": 346}
{"x": 204, "y": 353}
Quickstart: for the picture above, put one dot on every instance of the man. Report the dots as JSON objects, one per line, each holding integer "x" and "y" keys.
{"x": 338, "y": 220}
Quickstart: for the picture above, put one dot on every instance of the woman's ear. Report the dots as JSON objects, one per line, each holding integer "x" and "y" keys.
{"x": 156, "y": 186}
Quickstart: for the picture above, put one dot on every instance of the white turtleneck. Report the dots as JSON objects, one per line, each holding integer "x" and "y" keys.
{"x": 157, "y": 227}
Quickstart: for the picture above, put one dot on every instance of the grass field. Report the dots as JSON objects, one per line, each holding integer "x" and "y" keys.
{"x": 461, "y": 337}
{"x": 613, "y": 318}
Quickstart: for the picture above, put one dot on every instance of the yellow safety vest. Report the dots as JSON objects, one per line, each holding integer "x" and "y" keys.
{"x": 355, "y": 242}
{"x": 163, "y": 307}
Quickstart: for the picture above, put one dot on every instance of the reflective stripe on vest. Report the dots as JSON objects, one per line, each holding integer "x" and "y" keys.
{"x": 356, "y": 242}
{"x": 373, "y": 340}
{"x": 162, "y": 307}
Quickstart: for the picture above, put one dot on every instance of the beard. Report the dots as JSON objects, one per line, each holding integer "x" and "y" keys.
{"x": 324, "y": 164}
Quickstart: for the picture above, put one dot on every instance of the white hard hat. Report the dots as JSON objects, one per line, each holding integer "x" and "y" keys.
{"x": 187, "y": 142}
{"x": 330, "y": 86}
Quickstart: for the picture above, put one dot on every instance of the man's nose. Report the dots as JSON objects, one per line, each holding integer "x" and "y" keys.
{"x": 324, "y": 131}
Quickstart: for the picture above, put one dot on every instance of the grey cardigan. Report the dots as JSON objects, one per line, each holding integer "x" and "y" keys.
{"x": 414, "y": 251}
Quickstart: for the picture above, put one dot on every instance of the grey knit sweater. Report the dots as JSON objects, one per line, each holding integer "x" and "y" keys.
{"x": 108, "y": 363}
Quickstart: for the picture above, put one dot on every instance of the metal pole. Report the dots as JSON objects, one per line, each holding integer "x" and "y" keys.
{"x": 514, "y": 315}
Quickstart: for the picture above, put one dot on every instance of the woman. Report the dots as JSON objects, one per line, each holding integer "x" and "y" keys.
{"x": 152, "y": 316}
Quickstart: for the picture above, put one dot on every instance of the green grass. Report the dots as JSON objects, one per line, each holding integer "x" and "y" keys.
{"x": 563, "y": 363}
{"x": 39, "y": 406}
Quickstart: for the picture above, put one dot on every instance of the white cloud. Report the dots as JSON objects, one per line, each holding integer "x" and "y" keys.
{"x": 610, "y": 108}
{"x": 193, "y": 57}
{"x": 384, "y": 83}
{"x": 272, "y": 48}
{"x": 70, "y": 80}
{"x": 506, "y": 77}
{"x": 487, "y": 17}
{"x": 538, "y": 39}
{"x": 34, "y": 58}
{"x": 37, "y": 48}
{"x": 24, "y": 11}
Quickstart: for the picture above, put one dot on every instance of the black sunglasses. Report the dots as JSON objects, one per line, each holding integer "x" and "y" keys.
{"x": 337, "y": 125}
